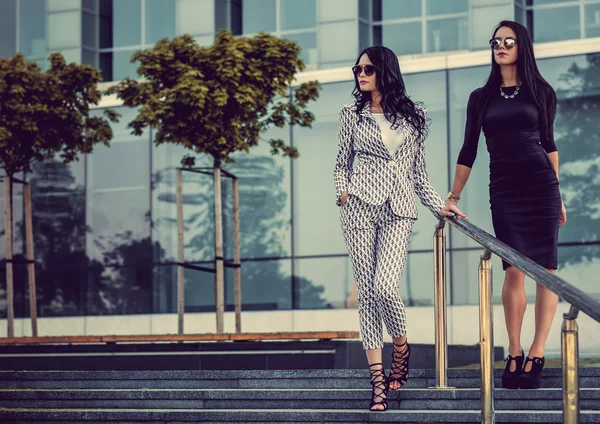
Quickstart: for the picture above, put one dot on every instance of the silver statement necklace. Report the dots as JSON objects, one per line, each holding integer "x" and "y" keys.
{"x": 506, "y": 96}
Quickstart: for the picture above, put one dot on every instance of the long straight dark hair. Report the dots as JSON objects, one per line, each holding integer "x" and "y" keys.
{"x": 543, "y": 94}
{"x": 394, "y": 100}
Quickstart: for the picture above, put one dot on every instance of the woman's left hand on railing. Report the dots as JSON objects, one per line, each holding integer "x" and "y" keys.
{"x": 452, "y": 210}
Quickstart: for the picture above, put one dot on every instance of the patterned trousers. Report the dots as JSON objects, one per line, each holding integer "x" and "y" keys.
{"x": 377, "y": 241}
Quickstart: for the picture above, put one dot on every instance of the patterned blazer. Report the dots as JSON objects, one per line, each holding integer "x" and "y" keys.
{"x": 378, "y": 176}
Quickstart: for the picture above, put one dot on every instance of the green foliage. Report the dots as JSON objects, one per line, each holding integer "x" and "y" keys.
{"x": 43, "y": 114}
{"x": 218, "y": 99}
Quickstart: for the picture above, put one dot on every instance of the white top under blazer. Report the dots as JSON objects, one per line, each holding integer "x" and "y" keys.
{"x": 392, "y": 138}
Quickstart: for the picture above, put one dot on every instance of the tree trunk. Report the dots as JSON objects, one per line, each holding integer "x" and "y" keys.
{"x": 219, "y": 274}
{"x": 10, "y": 313}
{"x": 30, "y": 259}
{"x": 180, "y": 259}
{"x": 237, "y": 257}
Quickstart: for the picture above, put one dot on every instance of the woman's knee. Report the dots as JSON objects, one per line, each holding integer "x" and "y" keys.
{"x": 514, "y": 277}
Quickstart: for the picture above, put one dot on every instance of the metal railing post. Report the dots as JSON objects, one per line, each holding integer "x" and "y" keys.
{"x": 440, "y": 311}
{"x": 486, "y": 338}
{"x": 570, "y": 366}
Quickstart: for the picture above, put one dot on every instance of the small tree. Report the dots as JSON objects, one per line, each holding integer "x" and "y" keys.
{"x": 44, "y": 115}
{"x": 218, "y": 100}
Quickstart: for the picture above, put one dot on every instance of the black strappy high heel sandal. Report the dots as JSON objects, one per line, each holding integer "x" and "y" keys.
{"x": 399, "y": 368}
{"x": 531, "y": 379}
{"x": 510, "y": 378}
{"x": 380, "y": 388}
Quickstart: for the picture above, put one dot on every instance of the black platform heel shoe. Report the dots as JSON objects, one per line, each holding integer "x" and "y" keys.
{"x": 380, "y": 388}
{"x": 510, "y": 378}
{"x": 531, "y": 379}
{"x": 399, "y": 368}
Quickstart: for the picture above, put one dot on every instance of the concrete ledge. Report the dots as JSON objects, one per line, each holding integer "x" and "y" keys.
{"x": 317, "y": 335}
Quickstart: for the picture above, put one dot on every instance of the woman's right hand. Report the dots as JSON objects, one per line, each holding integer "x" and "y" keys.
{"x": 451, "y": 209}
{"x": 344, "y": 198}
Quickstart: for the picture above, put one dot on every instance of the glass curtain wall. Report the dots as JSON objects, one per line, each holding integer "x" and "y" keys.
{"x": 557, "y": 20}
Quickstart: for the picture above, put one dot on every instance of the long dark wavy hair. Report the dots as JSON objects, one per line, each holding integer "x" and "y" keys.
{"x": 527, "y": 70}
{"x": 389, "y": 82}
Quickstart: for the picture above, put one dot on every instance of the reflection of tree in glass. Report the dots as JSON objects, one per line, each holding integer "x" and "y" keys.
{"x": 125, "y": 286}
{"x": 263, "y": 220}
{"x": 578, "y": 139}
{"x": 122, "y": 284}
{"x": 59, "y": 230}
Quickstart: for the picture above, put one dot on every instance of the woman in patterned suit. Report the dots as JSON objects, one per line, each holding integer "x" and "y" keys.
{"x": 386, "y": 131}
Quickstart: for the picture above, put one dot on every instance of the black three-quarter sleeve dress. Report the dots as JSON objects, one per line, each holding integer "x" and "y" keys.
{"x": 524, "y": 190}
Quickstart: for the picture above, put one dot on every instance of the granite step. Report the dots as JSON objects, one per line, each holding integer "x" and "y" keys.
{"x": 286, "y": 379}
{"x": 309, "y": 416}
{"x": 406, "y": 399}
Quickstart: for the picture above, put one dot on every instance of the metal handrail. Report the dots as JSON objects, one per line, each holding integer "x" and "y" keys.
{"x": 569, "y": 337}
{"x": 571, "y": 294}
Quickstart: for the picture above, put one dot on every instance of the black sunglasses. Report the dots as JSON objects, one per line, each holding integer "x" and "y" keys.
{"x": 509, "y": 43}
{"x": 369, "y": 70}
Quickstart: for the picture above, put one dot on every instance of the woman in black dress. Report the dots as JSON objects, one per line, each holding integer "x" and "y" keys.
{"x": 516, "y": 110}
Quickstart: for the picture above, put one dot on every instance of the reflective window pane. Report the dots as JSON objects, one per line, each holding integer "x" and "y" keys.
{"x": 577, "y": 84}
{"x": 363, "y": 9}
{"x": 64, "y": 30}
{"x": 298, "y": 15}
{"x": 266, "y": 285}
{"x": 265, "y": 204}
{"x": 364, "y": 35}
{"x": 90, "y": 30}
{"x": 447, "y": 34}
{"x": 541, "y": 2}
{"x": 59, "y": 231}
{"x": 580, "y": 266}
{"x": 592, "y": 20}
{"x": 258, "y": 16}
{"x": 335, "y": 42}
{"x": 59, "y": 5}
{"x": 308, "y": 44}
{"x": 8, "y": 28}
{"x": 118, "y": 198}
{"x": 121, "y": 290}
{"x": 91, "y": 5}
{"x": 554, "y": 24}
{"x": 195, "y": 17}
{"x": 198, "y": 212}
{"x": 71, "y": 55}
{"x": 115, "y": 66}
{"x": 403, "y": 38}
{"x": 324, "y": 283}
{"x": 160, "y": 20}
{"x": 120, "y": 23}
{"x": 89, "y": 57}
{"x": 416, "y": 282}
{"x": 399, "y": 9}
{"x": 32, "y": 33}
{"x": 336, "y": 10}
{"x": 441, "y": 7}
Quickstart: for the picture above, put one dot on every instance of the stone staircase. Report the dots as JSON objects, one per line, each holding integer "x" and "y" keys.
{"x": 303, "y": 396}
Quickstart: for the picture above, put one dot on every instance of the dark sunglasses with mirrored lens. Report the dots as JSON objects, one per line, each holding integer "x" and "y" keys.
{"x": 369, "y": 70}
{"x": 509, "y": 43}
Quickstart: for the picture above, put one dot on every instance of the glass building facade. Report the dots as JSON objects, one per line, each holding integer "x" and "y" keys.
{"x": 105, "y": 227}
